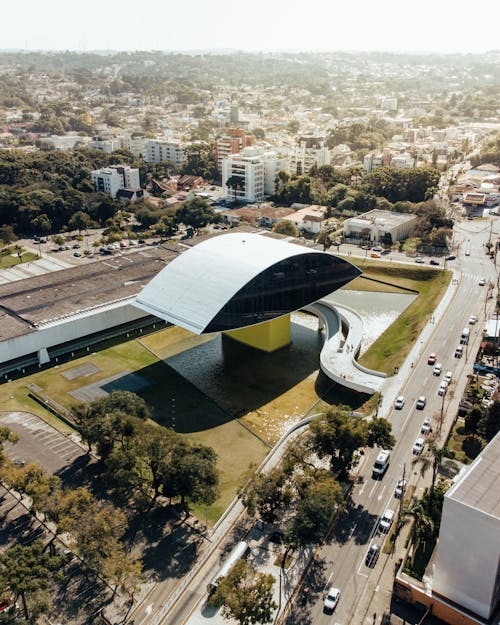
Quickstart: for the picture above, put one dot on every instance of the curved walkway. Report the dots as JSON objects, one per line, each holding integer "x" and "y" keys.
{"x": 337, "y": 358}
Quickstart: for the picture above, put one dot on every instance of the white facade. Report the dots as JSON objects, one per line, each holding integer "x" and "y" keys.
{"x": 257, "y": 169}
{"x": 136, "y": 145}
{"x": 467, "y": 564}
{"x": 111, "y": 179}
{"x": 70, "y": 328}
{"x": 306, "y": 153}
{"x": 108, "y": 181}
{"x": 158, "y": 151}
{"x": 376, "y": 224}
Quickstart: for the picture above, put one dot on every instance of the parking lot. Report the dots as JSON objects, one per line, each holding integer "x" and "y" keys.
{"x": 40, "y": 443}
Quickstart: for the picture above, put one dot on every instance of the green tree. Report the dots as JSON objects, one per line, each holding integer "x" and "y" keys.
{"x": 339, "y": 435}
{"x": 196, "y": 213}
{"x": 266, "y": 492}
{"x": 79, "y": 221}
{"x": 432, "y": 459}
{"x": 26, "y": 570}
{"x": 245, "y": 595}
{"x": 286, "y": 227}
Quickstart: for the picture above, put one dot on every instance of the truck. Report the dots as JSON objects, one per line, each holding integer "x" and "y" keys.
{"x": 240, "y": 551}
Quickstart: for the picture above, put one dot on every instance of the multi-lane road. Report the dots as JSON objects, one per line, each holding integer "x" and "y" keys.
{"x": 344, "y": 554}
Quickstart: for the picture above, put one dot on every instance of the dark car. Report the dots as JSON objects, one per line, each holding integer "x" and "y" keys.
{"x": 372, "y": 555}
{"x": 433, "y": 261}
{"x": 450, "y": 257}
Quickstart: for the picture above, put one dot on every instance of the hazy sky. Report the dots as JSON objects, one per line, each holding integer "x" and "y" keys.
{"x": 424, "y": 25}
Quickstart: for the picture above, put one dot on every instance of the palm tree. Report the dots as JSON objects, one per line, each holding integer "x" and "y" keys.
{"x": 433, "y": 459}
{"x": 423, "y": 525}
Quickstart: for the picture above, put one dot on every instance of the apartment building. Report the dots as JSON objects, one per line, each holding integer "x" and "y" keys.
{"x": 309, "y": 151}
{"x": 111, "y": 179}
{"x": 231, "y": 143}
{"x": 252, "y": 174}
{"x": 158, "y": 151}
{"x": 388, "y": 159}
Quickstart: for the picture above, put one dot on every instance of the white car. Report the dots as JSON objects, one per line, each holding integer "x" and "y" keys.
{"x": 399, "y": 403}
{"x": 421, "y": 401}
{"x": 482, "y": 282}
{"x": 442, "y": 388}
{"x": 448, "y": 376}
{"x": 437, "y": 368}
{"x": 418, "y": 445}
{"x": 386, "y": 520}
{"x": 399, "y": 491}
{"x": 426, "y": 426}
{"x": 331, "y": 600}
{"x": 472, "y": 320}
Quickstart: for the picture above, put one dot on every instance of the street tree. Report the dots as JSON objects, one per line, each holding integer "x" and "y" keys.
{"x": 432, "y": 460}
{"x": 286, "y": 227}
{"x": 338, "y": 435}
{"x": 79, "y": 221}
{"x": 245, "y": 595}
{"x": 26, "y": 570}
{"x": 267, "y": 493}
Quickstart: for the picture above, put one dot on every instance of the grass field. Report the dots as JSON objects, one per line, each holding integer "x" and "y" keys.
{"x": 10, "y": 261}
{"x": 392, "y": 347}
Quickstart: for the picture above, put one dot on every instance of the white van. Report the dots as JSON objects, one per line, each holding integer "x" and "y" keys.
{"x": 381, "y": 464}
{"x": 442, "y": 388}
{"x": 464, "y": 337}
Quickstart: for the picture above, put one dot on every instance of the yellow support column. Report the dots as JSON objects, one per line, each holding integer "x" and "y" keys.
{"x": 268, "y": 336}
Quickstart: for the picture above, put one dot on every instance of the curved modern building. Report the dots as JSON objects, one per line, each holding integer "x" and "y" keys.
{"x": 238, "y": 280}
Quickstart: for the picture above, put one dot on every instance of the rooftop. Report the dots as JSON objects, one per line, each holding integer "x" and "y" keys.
{"x": 479, "y": 485}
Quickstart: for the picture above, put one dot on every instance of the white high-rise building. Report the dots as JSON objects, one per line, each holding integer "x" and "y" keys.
{"x": 467, "y": 562}
{"x": 309, "y": 151}
{"x": 158, "y": 151}
{"x": 111, "y": 179}
{"x": 256, "y": 168}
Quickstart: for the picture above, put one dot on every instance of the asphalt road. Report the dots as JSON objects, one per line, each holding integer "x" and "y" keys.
{"x": 343, "y": 557}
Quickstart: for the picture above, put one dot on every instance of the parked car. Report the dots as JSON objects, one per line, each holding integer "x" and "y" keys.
{"x": 482, "y": 282}
{"x": 459, "y": 350}
{"x": 372, "y": 555}
{"x": 426, "y": 427}
{"x": 386, "y": 520}
{"x": 399, "y": 491}
{"x": 437, "y": 369}
{"x": 448, "y": 376}
{"x": 331, "y": 600}
{"x": 472, "y": 320}
{"x": 421, "y": 401}
{"x": 433, "y": 261}
{"x": 77, "y": 254}
{"x": 450, "y": 257}
{"x": 399, "y": 403}
{"x": 419, "y": 259}
{"x": 418, "y": 445}
{"x": 432, "y": 359}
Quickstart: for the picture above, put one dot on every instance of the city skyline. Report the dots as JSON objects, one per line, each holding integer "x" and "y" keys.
{"x": 319, "y": 25}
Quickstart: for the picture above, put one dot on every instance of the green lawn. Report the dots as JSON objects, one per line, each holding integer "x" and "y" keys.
{"x": 392, "y": 347}
{"x": 10, "y": 261}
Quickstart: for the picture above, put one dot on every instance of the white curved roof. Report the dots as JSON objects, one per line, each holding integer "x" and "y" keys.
{"x": 193, "y": 288}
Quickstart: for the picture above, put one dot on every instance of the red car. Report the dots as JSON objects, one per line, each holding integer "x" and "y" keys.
{"x": 432, "y": 359}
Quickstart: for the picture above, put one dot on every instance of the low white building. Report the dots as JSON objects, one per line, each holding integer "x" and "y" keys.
{"x": 376, "y": 226}
{"x": 467, "y": 563}
{"x": 307, "y": 218}
{"x": 255, "y": 168}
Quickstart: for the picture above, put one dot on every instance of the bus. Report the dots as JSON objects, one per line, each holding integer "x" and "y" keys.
{"x": 239, "y": 552}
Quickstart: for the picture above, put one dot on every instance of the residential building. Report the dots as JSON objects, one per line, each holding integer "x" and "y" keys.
{"x": 231, "y": 143}
{"x": 388, "y": 159}
{"x": 309, "y": 151}
{"x": 256, "y": 168}
{"x": 380, "y": 226}
{"x": 172, "y": 151}
{"x": 111, "y": 179}
{"x": 307, "y": 218}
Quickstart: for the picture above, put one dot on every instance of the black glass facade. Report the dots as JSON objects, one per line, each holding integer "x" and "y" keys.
{"x": 282, "y": 288}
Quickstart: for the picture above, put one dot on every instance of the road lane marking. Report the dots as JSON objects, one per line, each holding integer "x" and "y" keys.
{"x": 328, "y": 582}
{"x": 380, "y": 496}
{"x": 352, "y": 530}
{"x": 371, "y": 492}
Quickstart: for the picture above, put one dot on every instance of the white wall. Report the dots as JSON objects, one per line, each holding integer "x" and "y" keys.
{"x": 467, "y": 557}
{"x": 73, "y": 328}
